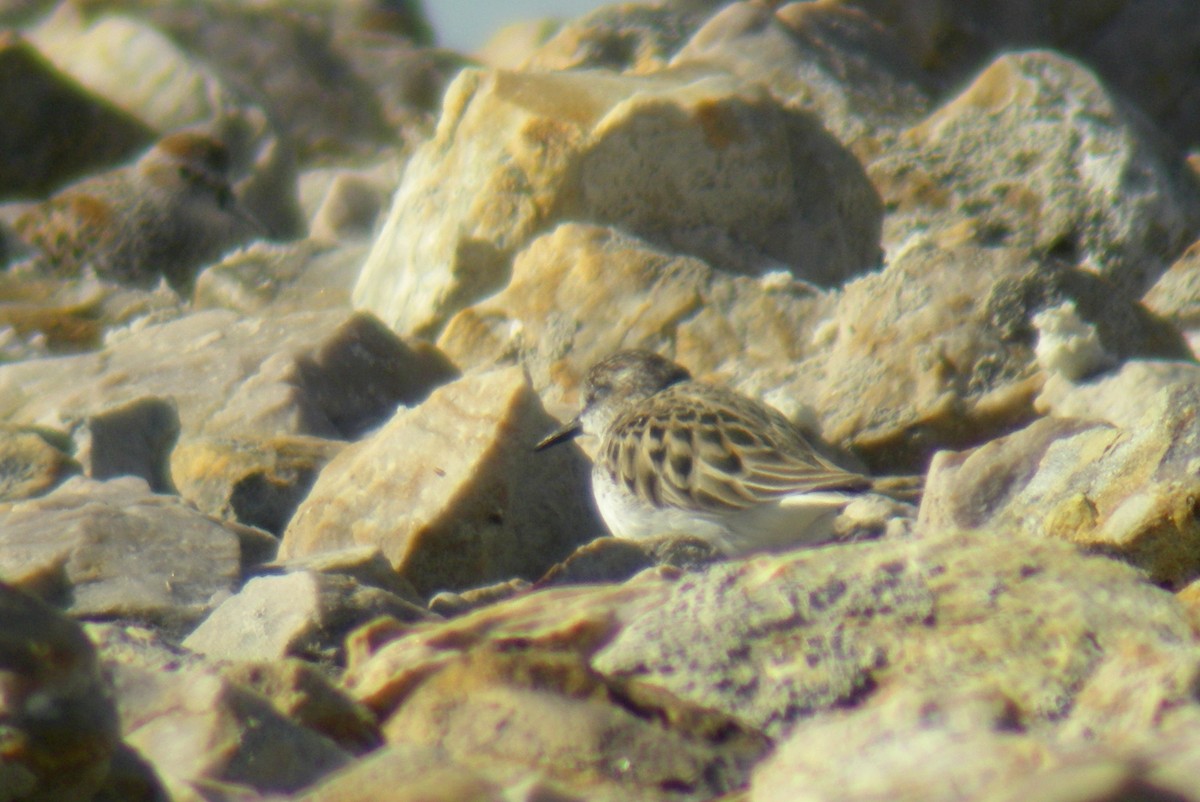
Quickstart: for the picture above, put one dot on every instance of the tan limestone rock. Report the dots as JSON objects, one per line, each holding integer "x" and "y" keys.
{"x": 258, "y": 482}
{"x": 452, "y": 492}
{"x": 331, "y": 374}
{"x": 558, "y": 716}
{"x": 694, "y": 161}
{"x": 1128, "y": 492}
{"x": 30, "y": 463}
{"x": 938, "y": 350}
{"x": 581, "y": 292}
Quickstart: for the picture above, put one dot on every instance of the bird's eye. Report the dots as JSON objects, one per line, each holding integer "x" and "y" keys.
{"x": 597, "y": 392}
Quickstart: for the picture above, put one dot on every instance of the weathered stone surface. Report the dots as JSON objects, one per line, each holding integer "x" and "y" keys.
{"x": 198, "y": 728}
{"x": 633, "y": 37}
{"x": 1013, "y": 654}
{"x": 960, "y": 364}
{"x": 1129, "y": 492}
{"x": 404, "y": 773}
{"x": 269, "y": 279}
{"x": 581, "y": 292}
{"x": 827, "y": 58}
{"x": 306, "y": 696}
{"x": 1037, "y": 154}
{"x": 302, "y": 614}
{"x": 115, "y": 550}
{"x": 288, "y": 62}
{"x": 451, "y": 491}
{"x": 132, "y": 66}
{"x": 365, "y": 564}
{"x": 694, "y": 161}
{"x": 54, "y": 131}
{"x": 560, "y": 717}
{"x": 30, "y": 463}
{"x": 1176, "y": 295}
{"x": 330, "y": 374}
{"x": 129, "y": 439}
{"x": 255, "y": 482}
{"x": 1119, "y": 396}
{"x": 58, "y": 727}
{"x": 1138, "y": 48}
{"x": 509, "y": 46}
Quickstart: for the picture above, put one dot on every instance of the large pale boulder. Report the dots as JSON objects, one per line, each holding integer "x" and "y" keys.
{"x": 452, "y": 492}
{"x": 695, "y": 161}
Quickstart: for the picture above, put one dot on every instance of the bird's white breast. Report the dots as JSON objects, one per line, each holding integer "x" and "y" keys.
{"x": 800, "y": 519}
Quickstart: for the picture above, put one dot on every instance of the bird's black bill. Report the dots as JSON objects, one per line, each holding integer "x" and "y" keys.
{"x": 568, "y": 431}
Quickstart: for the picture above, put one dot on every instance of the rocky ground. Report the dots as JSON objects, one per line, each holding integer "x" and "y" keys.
{"x": 283, "y": 537}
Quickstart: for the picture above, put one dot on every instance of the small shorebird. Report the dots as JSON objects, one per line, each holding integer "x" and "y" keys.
{"x": 168, "y": 213}
{"x": 678, "y": 456}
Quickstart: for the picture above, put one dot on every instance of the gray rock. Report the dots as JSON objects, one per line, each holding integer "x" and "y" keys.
{"x": 132, "y": 439}
{"x": 1036, "y": 153}
{"x": 830, "y": 59}
{"x": 114, "y": 550}
{"x": 331, "y": 374}
{"x": 301, "y": 614}
{"x": 55, "y": 131}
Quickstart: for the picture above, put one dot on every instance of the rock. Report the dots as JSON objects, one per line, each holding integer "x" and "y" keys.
{"x": 548, "y": 711}
{"x": 366, "y": 565}
{"x": 1037, "y": 154}
{"x": 59, "y": 724}
{"x": 55, "y": 132}
{"x": 114, "y": 550}
{"x": 350, "y": 207}
{"x": 404, "y": 773}
{"x": 199, "y": 729}
{"x": 581, "y": 292}
{"x": 827, "y": 58}
{"x": 268, "y": 279}
{"x": 302, "y": 614}
{"x": 634, "y": 37}
{"x": 1126, "y": 492}
{"x": 141, "y": 71}
{"x": 509, "y": 46}
{"x": 298, "y": 691}
{"x": 329, "y": 374}
{"x": 133, "y": 66}
{"x": 255, "y": 482}
{"x": 1119, "y": 396}
{"x": 306, "y": 696}
{"x": 131, "y": 439}
{"x": 288, "y": 62}
{"x": 938, "y": 350}
{"x": 451, "y": 491}
{"x": 892, "y": 664}
{"x": 695, "y": 162}
{"x": 31, "y": 464}
{"x": 1176, "y": 295}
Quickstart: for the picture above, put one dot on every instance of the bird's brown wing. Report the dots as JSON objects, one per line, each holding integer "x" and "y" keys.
{"x": 695, "y": 446}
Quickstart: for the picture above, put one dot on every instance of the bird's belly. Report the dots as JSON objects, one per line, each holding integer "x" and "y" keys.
{"x": 804, "y": 519}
